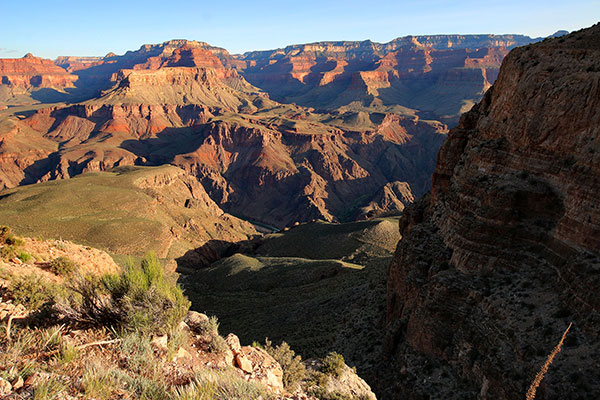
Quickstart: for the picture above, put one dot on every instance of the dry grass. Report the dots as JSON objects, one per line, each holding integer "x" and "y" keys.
{"x": 540, "y": 375}
{"x": 61, "y": 360}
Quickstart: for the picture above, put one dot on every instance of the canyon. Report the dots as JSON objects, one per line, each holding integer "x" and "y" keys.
{"x": 274, "y": 182}
{"x": 330, "y": 130}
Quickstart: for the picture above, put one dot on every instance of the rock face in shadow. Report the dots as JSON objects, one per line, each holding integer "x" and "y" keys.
{"x": 505, "y": 253}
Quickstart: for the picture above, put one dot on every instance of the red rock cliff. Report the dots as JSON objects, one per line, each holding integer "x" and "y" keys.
{"x": 441, "y": 75}
{"x": 505, "y": 253}
{"x": 31, "y": 71}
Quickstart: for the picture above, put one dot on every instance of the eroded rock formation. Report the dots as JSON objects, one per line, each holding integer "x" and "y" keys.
{"x": 439, "y": 75}
{"x": 31, "y": 71}
{"x": 183, "y": 103}
{"x": 505, "y": 253}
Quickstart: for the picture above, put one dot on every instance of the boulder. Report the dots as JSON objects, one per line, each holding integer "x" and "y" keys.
{"x": 18, "y": 383}
{"x": 196, "y": 321}
{"x": 160, "y": 342}
{"x": 243, "y": 363}
{"x": 182, "y": 353}
{"x": 234, "y": 343}
{"x": 265, "y": 369}
{"x": 5, "y": 387}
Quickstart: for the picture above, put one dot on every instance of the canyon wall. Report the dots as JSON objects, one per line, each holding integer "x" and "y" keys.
{"x": 441, "y": 76}
{"x": 505, "y": 252}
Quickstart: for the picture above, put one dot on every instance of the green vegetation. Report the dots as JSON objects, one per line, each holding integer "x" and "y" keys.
{"x": 333, "y": 364}
{"x": 7, "y": 238}
{"x": 24, "y": 256}
{"x": 140, "y": 298}
{"x": 224, "y": 385}
{"x": 98, "y": 381}
{"x": 9, "y": 245}
{"x": 137, "y": 350}
{"x": 209, "y": 327}
{"x": 217, "y": 344}
{"x": 50, "y": 389}
{"x": 33, "y": 292}
{"x": 68, "y": 353}
{"x": 139, "y": 303}
{"x": 149, "y": 301}
{"x": 63, "y": 266}
{"x": 291, "y": 364}
{"x": 322, "y": 272}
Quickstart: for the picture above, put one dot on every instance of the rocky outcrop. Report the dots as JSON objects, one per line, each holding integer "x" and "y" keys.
{"x": 30, "y": 80}
{"x": 345, "y": 384}
{"x": 96, "y": 72}
{"x": 504, "y": 254}
{"x": 215, "y": 87}
{"x": 278, "y": 176}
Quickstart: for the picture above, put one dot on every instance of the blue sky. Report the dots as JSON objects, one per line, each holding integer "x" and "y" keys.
{"x": 49, "y": 28}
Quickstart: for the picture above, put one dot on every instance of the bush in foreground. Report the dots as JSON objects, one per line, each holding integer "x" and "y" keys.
{"x": 140, "y": 298}
{"x": 9, "y": 243}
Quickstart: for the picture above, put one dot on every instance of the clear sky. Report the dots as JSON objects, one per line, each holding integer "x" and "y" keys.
{"x": 49, "y": 28}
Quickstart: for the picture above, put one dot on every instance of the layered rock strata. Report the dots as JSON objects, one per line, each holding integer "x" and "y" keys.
{"x": 504, "y": 254}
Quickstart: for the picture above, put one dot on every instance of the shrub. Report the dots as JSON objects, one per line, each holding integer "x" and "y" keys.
{"x": 49, "y": 389}
{"x": 333, "y": 364}
{"x": 51, "y": 338}
{"x": 138, "y": 353}
{"x": 7, "y": 238}
{"x": 258, "y": 345}
{"x": 208, "y": 327}
{"x": 140, "y": 298}
{"x": 225, "y": 385}
{"x": 88, "y": 301}
{"x": 32, "y": 291}
{"x": 217, "y": 344}
{"x": 12, "y": 240}
{"x": 316, "y": 383}
{"x": 98, "y": 381}
{"x": 68, "y": 353}
{"x": 147, "y": 300}
{"x": 322, "y": 394}
{"x": 142, "y": 387}
{"x": 177, "y": 338}
{"x": 7, "y": 252}
{"x": 63, "y": 266}
{"x": 293, "y": 369}
{"x": 4, "y": 231}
